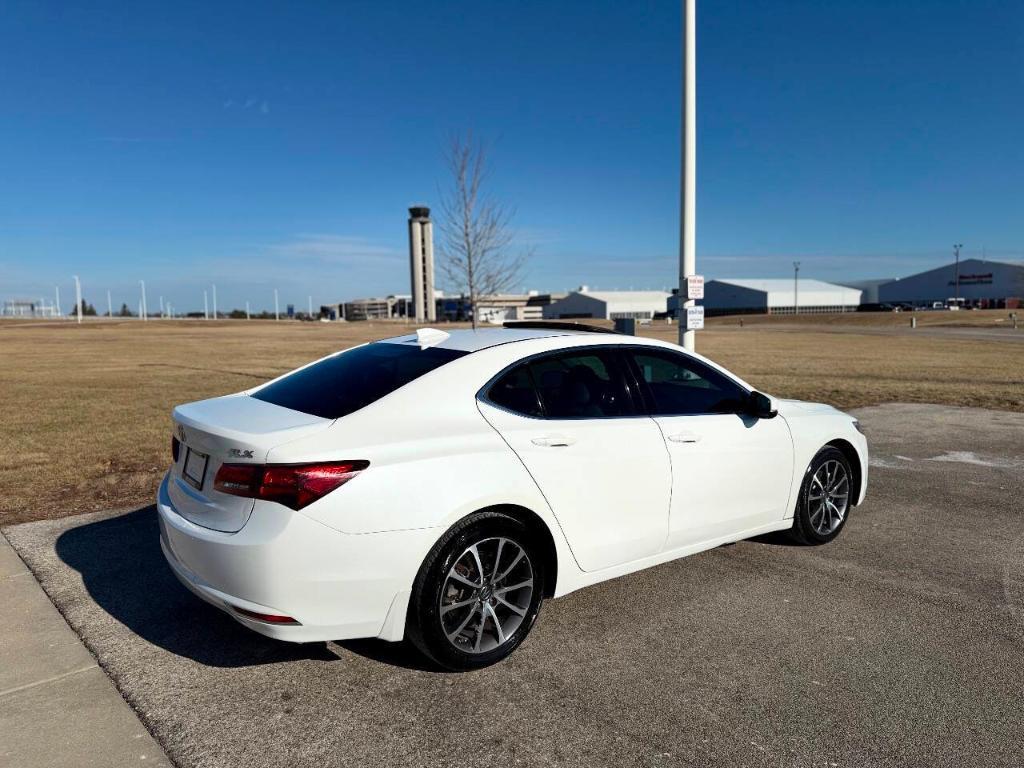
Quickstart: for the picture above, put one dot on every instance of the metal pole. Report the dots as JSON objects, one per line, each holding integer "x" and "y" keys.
{"x": 277, "y": 314}
{"x": 310, "y": 307}
{"x": 215, "y": 302}
{"x": 688, "y": 202}
{"x": 796, "y": 287}
{"x": 78, "y": 299}
{"x": 110, "y": 307}
{"x": 956, "y": 250}
{"x": 247, "y": 310}
{"x": 206, "y": 307}
{"x": 145, "y": 309}
{"x": 56, "y": 288}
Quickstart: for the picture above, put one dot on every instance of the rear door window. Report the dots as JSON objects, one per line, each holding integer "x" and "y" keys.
{"x": 579, "y": 385}
{"x": 346, "y": 382}
{"x": 515, "y": 392}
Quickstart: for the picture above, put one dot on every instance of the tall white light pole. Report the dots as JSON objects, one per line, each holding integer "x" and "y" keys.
{"x": 277, "y": 314}
{"x": 796, "y": 287}
{"x": 78, "y": 299}
{"x": 310, "y": 307}
{"x": 206, "y": 307}
{"x": 688, "y": 202}
{"x": 145, "y": 309}
{"x": 214, "y": 302}
{"x": 56, "y": 289}
{"x": 246, "y": 310}
{"x": 110, "y": 307}
{"x": 956, "y": 279}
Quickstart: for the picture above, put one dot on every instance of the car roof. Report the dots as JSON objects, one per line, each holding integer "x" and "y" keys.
{"x": 472, "y": 340}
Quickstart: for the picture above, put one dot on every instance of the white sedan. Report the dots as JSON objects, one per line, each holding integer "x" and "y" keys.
{"x": 438, "y": 486}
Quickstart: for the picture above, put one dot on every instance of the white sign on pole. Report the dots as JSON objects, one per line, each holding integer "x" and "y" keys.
{"x": 695, "y": 318}
{"x": 694, "y": 287}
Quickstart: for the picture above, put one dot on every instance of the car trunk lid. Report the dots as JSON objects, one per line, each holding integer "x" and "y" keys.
{"x": 236, "y": 429}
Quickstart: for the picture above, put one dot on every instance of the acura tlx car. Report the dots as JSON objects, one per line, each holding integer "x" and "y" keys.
{"x": 438, "y": 486}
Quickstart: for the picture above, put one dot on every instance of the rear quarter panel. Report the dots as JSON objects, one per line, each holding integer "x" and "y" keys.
{"x": 433, "y": 458}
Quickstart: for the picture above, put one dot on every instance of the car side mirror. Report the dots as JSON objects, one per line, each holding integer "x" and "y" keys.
{"x": 761, "y": 406}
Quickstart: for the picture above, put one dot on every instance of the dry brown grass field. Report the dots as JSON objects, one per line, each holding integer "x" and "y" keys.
{"x": 85, "y": 410}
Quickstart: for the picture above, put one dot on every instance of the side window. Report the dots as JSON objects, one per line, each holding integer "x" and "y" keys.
{"x": 515, "y": 392}
{"x": 680, "y": 386}
{"x": 576, "y": 385}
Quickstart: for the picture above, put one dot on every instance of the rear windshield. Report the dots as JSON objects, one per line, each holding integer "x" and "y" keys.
{"x": 344, "y": 383}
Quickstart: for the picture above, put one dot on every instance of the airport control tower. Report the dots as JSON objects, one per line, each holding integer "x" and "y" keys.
{"x": 421, "y": 264}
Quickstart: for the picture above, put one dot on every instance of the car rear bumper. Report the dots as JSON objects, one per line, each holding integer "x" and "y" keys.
{"x": 336, "y": 586}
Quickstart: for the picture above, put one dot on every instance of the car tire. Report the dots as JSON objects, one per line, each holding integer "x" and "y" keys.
{"x": 478, "y": 592}
{"x": 825, "y": 499}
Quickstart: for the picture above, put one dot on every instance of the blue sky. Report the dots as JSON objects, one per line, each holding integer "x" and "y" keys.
{"x": 257, "y": 145}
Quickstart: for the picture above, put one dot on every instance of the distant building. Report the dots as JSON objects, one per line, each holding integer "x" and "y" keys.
{"x": 982, "y": 283}
{"x": 775, "y": 297}
{"x": 497, "y": 309}
{"x": 868, "y": 288}
{"x": 608, "y": 305}
{"x": 28, "y": 308}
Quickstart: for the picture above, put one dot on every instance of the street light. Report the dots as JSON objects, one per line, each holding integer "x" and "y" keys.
{"x": 956, "y": 252}
{"x": 688, "y": 197}
{"x": 145, "y": 310}
{"x": 78, "y": 298}
{"x": 796, "y": 288}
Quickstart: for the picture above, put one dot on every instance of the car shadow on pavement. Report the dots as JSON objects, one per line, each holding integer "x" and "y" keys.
{"x": 125, "y": 573}
{"x": 776, "y": 538}
{"x": 401, "y": 654}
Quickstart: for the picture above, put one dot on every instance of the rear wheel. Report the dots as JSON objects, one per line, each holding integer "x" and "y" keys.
{"x": 478, "y": 593}
{"x": 824, "y": 501}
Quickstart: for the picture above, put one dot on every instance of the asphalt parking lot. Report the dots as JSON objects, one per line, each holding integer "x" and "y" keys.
{"x": 899, "y": 644}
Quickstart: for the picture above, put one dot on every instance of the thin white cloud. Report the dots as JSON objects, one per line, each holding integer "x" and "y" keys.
{"x": 335, "y": 249}
{"x": 263, "y": 105}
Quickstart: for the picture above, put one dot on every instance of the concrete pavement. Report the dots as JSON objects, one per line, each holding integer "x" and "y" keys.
{"x": 57, "y": 707}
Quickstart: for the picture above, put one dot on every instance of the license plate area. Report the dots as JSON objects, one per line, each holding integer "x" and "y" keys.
{"x": 194, "y": 471}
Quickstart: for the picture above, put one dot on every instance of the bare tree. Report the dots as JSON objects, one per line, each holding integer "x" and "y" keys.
{"x": 477, "y": 255}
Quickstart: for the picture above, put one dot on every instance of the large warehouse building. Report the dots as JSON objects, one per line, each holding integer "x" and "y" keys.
{"x": 608, "y": 305}
{"x": 982, "y": 283}
{"x": 776, "y": 297}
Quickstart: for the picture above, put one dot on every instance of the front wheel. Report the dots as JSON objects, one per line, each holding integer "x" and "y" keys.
{"x": 824, "y": 501}
{"x": 478, "y": 593}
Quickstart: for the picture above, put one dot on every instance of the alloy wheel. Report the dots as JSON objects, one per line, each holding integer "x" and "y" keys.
{"x": 486, "y": 595}
{"x": 829, "y": 497}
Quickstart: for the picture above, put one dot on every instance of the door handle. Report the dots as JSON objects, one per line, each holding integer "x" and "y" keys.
{"x": 553, "y": 441}
{"x": 684, "y": 437}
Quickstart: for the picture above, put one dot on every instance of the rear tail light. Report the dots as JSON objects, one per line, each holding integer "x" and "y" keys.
{"x": 175, "y": 448}
{"x": 294, "y": 485}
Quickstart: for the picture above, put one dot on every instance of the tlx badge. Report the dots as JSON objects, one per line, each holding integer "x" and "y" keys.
{"x": 238, "y": 453}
